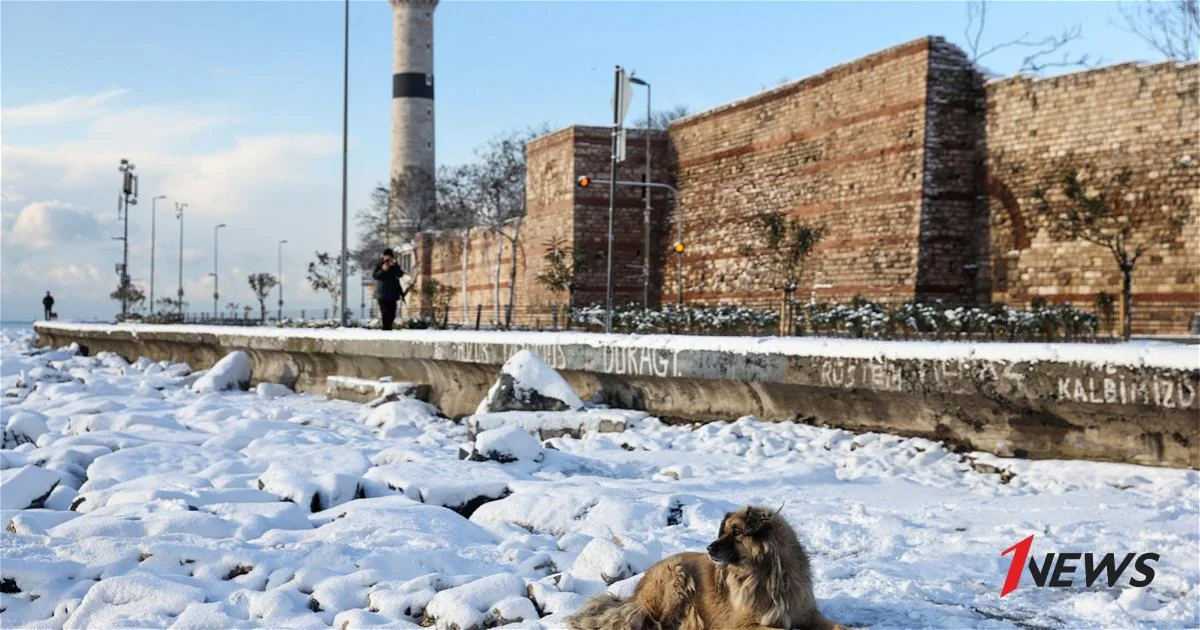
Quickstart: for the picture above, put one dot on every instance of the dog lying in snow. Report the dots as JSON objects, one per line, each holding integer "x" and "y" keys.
{"x": 755, "y": 575}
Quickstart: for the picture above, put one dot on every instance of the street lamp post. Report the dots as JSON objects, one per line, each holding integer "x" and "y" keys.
{"x": 129, "y": 184}
{"x": 280, "y": 314}
{"x": 153, "y": 229}
{"x": 343, "y": 317}
{"x": 646, "y": 212}
{"x": 179, "y": 215}
{"x": 216, "y": 270}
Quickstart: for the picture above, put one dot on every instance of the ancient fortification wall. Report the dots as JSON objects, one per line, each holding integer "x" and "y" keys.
{"x": 922, "y": 174}
{"x": 1143, "y": 117}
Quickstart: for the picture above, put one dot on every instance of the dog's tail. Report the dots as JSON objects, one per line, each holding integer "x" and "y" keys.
{"x": 608, "y": 612}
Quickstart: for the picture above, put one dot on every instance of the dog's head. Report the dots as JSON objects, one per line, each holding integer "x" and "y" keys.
{"x": 745, "y": 535}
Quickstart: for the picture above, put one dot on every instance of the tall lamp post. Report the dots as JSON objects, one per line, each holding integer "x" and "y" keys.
{"x": 179, "y": 207}
{"x": 279, "y": 316}
{"x": 646, "y": 192}
{"x": 216, "y": 270}
{"x": 153, "y": 229}
{"x": 344, "y": 317}
{"x": 129, "y": 184}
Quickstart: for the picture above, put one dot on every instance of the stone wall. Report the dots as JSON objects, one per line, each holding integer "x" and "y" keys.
{"x": 1145, "y": 117}
{"x": 844, "y": 148}
{"x": 922, "y": 174}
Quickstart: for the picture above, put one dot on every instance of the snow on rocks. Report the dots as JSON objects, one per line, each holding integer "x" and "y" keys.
{"x": 488, "y": 602}
{"x": 231, "y": 372}
{"x": 506, "y": 444}
{"x": 547, "y": 424}
{"x": 24, "y": 427}
{"x": 170, "y": 528}
{"x": 396, "y": 418}
{"x": 526, "y": 383}
{"x": 373, "y": 392}
{"x": 26, "y": 487}
{"x": 462, "y": 488}
{"x": 268, "y": 391}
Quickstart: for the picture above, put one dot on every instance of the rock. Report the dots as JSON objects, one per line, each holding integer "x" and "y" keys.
{"x": 526, "y": 383}
{"x": 471, "y": 605}
{"x": 504, "y": 445}
{"x": 26, "y": 487}
{"x": 24, "y": 427}
{"x": 272, "y": 390}
{"x": 600, "y": 564}
{"x": 372, "y": 393}
{"x": 231, "y": 372}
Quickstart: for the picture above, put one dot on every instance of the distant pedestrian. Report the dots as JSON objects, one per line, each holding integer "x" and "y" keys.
{"x": 48, "y": 304}
{"x": 387, "y": 287}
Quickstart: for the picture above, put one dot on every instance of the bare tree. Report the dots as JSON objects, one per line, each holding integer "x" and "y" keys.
{"x": 261, "y": 284}
{"x": 1126, "y": 211}
{"x": 499, "y": 184}
{"x": 660, "y": 119}
{"x": 1172, "y": 27}
{"x": 374, "y": 229}
{"x": 1041, "y": 53}
{"x": 413, "y": 204}
{"x": 128, "y": 292}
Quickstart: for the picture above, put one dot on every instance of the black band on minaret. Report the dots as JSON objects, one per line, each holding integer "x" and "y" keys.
{"x": 412, "y": 85}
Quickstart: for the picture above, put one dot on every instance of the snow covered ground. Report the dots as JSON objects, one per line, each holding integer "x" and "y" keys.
{"x": 166, "y": 502}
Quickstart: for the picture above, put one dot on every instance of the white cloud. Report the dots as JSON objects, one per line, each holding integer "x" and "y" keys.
{"x": 71, "y": 108}
{"x": 46, "y": 224}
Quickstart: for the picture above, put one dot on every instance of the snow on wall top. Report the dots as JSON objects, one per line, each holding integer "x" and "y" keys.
{"x": 1151, "y": 354}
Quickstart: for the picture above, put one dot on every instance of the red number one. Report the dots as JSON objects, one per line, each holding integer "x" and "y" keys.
{"x": 1017, "y": 567}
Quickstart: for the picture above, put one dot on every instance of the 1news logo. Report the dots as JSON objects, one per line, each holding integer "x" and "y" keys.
{"x": 1057, "y": 569}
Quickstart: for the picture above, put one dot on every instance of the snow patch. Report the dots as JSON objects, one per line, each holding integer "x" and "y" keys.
{"x": 231, "y": 372}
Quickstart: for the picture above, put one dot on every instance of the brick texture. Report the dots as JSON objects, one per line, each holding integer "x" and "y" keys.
{"x": 922, "y": 174}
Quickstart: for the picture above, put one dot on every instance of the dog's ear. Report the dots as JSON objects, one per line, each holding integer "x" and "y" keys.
{"x": 757, "y": 520}
{"x": 721, "y": 527}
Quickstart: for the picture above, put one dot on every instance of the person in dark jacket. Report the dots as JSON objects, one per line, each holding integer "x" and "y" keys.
{"x": 48, "y": 304}
{"x": 387, "y": 287}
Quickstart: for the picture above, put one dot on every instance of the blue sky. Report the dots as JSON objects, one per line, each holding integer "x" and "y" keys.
{"x": 235, "y": 108}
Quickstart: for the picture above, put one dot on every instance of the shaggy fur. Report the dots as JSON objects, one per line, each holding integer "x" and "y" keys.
{"x": 755, "y": 575}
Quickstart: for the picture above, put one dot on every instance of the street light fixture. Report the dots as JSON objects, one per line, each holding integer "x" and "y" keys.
{"x": 646, "y": 193}
{"x": 584, "y": 181}
{"x": 216, "y": 278}
{"x": 179, "y": 207}
{"x": 280, "y": 314}
{"x": 153, "y": 229}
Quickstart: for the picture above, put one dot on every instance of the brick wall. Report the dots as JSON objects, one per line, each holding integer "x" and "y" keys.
{"x": 921, "y": 173}
{"x": 843, "y": 148}
{"x": 1141, "y": 116}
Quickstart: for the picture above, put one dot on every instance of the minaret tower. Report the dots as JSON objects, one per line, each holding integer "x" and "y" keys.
{"x": 412, "y": 108}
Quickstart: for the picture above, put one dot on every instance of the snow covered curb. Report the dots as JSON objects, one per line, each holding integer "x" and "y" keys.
{"x": 1147, "y": 354}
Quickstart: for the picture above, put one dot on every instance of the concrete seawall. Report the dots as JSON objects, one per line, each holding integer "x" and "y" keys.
{"x": 1125, "y": 403}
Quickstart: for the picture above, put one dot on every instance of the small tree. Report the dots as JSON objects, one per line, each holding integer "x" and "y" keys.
{"x": 788, "y": 242}
{"x": 325, "y": 274}
{"x": 232, "y": 307}
{"x": 128, "y": 292}
{"x": 559, "y": 273}
{"x": 1124, "y": 211}
{"x": 261, "y": 284}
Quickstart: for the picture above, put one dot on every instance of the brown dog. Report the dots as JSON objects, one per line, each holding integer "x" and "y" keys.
{"x": 755, "y": 575}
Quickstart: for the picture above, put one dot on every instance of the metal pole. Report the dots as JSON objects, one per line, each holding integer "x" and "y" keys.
{"x": 646, "y": 193}
{"x": 279, "y": 315}
{"x": 179, "y": 215}
{"x": 466, "y": 242}
{"x": 646, "y": 215}
{"x": 153, "y": 232}
{"x": 345, "y": 149}
{"x": 124, "y": 284}
{"x": 612, "y": 196}
{"x": 216, "y": 271}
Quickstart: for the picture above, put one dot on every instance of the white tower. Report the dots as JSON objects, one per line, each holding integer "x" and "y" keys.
{"x": 413, "y": 164}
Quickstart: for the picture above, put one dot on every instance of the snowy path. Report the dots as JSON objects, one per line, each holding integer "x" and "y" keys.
{"x": 179, "y": 522}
